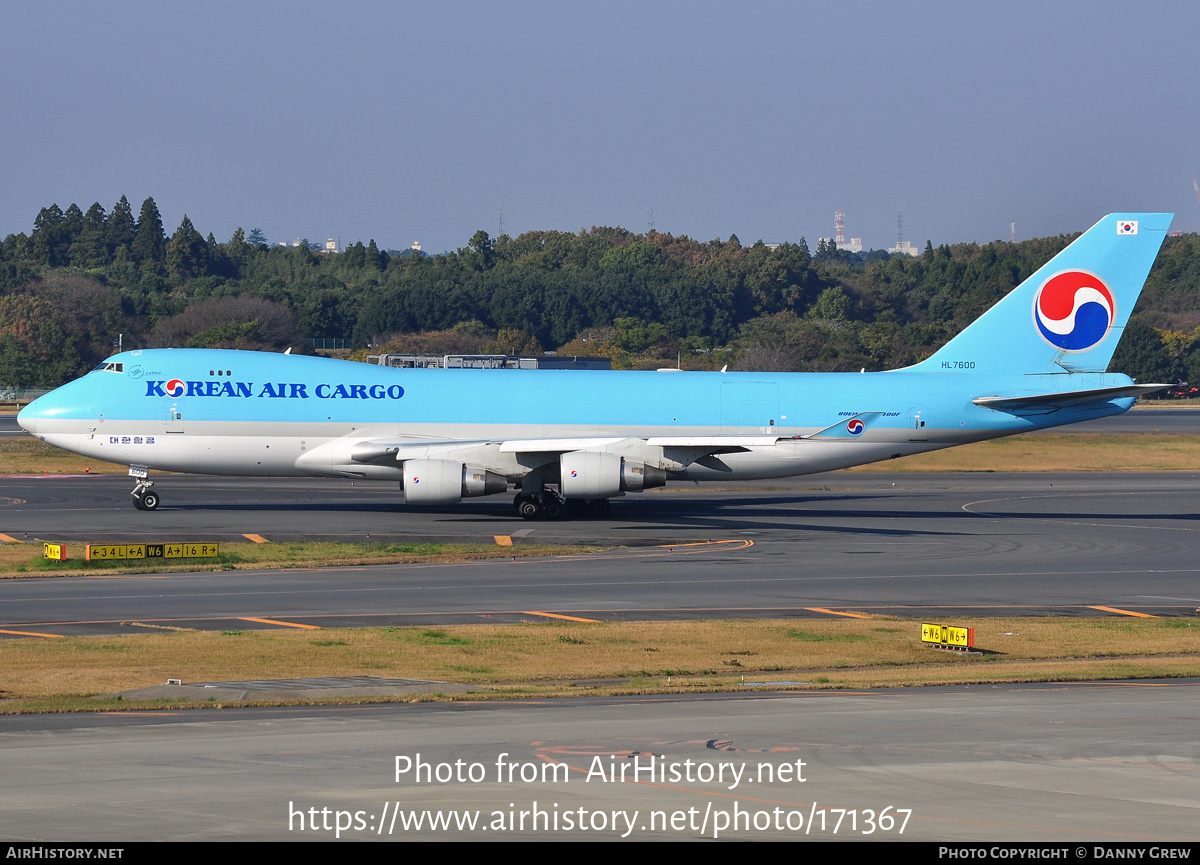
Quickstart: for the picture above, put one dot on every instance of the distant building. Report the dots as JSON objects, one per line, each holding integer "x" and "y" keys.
{"x": 416, "y": 247}
{"x": 854, "y": 244}
{"x": 488, "y": 361}
{"x": 331, "y": 246}
{"x": 903, "y": 247}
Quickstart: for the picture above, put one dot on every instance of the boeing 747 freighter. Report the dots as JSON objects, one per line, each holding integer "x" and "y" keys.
{"x": 568, "y": 441}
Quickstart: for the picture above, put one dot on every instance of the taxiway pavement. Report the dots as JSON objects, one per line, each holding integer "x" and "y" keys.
{"x": 1057, "y": 764}
{"x": 910, "y": 544}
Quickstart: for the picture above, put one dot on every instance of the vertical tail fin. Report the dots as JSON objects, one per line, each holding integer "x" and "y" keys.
{"x": 1069, "y": 315}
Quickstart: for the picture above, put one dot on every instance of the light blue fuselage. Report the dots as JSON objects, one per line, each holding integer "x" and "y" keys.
{"x": 251, "y": 413}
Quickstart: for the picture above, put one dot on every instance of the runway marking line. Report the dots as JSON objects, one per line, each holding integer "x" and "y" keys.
{"x": 31, "y": 634}
{"x": 281, "y": 624}
{"x": 1121, "y": 612}
{"x": 836, "y": 613}
{"x": 557, "y": 616}
{"x": 9, "y": 539}
{"x": 503, "y": 540}
{"x": 258, "y": 539}
{"x": 140, "y": 714}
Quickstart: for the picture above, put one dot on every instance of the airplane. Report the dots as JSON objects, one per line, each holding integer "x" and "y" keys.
{"x": 570, "y": 440}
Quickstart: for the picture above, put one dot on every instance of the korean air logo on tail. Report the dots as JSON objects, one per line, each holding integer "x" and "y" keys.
{"x": 175, "y": 387}
{"x": 1074, "y": 310}
{"x": 855, "y": 427}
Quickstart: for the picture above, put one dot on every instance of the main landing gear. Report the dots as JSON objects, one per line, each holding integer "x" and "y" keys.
{"x": 549, "y": 504}
{"x": 145, "y": 499}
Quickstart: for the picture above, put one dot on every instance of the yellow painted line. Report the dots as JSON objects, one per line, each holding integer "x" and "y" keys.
{"x": 30, "y": 634}
{"x": 9, "y": 539}
{"x": 258, "y": 539}
{"x": 282, "y": 624}
{"x": 745, "y": 542}
{"x": 556, "y": 616}
{"x": 1122, "y": 612}
{"x": 836, "y": 613}
{"x": 503, "y": 540}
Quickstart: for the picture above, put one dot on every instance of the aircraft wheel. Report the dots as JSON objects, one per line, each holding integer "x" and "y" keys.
{"x": 527, "y": 508}
{"x": 138, "y": 503}
{"x": 553, "y": 509}
{"x": 150, "y": 502}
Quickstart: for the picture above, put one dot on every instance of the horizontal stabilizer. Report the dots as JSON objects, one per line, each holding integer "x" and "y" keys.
{"x": 1044, "y": 403}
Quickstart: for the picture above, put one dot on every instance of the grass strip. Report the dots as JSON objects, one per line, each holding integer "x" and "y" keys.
{"x": 27, "y": 560}
{"x": 1058, "y": 452}
{"x": 30, "y": 456}
{"x": 570, "y": 659}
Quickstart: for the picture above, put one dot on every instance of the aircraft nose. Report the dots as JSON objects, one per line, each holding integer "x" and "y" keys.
{"x": 28, "y": 418}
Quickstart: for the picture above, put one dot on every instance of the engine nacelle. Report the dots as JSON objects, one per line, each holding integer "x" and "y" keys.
{"x": 639, "y": 476}
{"x": 442, "y": 482}
{"x": 592, "y": 475}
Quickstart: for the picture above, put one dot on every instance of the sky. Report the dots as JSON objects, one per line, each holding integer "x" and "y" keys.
{"x": 424, "y": 122}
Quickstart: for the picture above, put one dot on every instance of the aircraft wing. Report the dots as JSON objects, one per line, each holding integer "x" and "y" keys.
{"x": 407, "y": 449}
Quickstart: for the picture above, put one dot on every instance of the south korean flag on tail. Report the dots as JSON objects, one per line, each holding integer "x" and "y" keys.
{"x": 1126, "y": 226}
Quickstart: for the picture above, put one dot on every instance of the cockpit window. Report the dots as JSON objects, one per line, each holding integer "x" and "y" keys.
{"x": 109, "y": 366}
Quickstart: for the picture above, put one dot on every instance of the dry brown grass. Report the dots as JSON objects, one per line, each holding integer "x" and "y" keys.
{"x": 1058, "y": 452}
{"x": 633, "y": 657}
{"x": 30, "y": 456}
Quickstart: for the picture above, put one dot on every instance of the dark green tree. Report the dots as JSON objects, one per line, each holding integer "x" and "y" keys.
{"x": 89, "y": 249}
{"x": 187, "y": 253}
{"x": 1142, "y": 355}
{"x": 482, "y": 250}
{"x": 149, "y": 242}
{"x": 119, "y": 230}
{"x": 46, "y": 242}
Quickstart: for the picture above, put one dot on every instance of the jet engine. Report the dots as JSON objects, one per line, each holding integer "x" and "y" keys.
{"x": 442, "y": 482}
{"x": 592, "y": 475}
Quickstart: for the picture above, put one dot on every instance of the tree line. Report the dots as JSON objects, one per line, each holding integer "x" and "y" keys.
{"x": 77, "y": 279}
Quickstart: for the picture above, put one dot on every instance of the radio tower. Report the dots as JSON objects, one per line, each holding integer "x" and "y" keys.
{"x": 1012, "y": 227}
{"x": 839, "y": 223}
{"x": 899, "y": 227}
